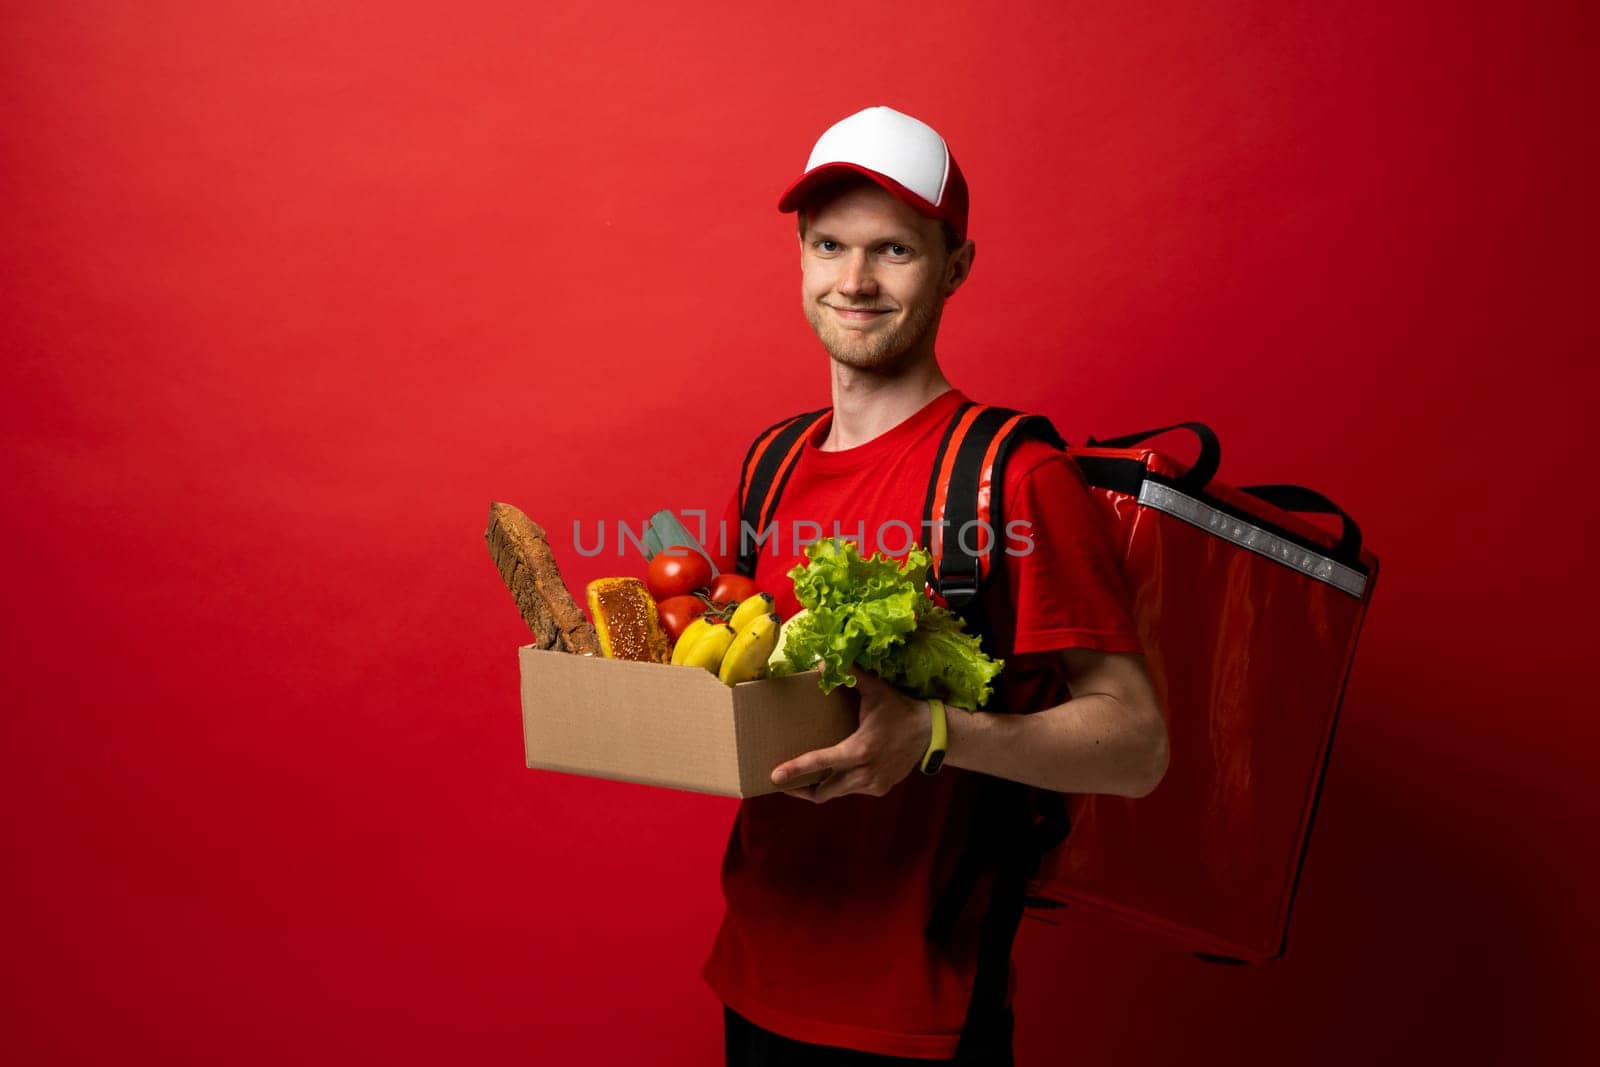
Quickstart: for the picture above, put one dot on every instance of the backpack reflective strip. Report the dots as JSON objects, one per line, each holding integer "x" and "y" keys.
{"x": 949, "y": 448}
{"x": 766, "y": 471}
{"x": 758, "y": 449}
{"x": 985, "y": 476}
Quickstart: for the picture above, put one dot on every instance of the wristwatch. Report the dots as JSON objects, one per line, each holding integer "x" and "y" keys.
{"x": 933, "y": 759}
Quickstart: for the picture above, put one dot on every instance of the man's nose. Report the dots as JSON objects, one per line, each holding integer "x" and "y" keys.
{"x": 856, "y": 278}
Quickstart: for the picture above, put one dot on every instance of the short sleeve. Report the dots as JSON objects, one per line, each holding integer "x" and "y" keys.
{"x": 1066, "y": 586}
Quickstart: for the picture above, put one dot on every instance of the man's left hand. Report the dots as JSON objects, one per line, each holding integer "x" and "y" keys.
{"x": 890, "y": 741}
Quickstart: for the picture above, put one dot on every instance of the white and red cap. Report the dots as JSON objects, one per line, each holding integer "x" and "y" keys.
{"x": 905, "y": 156}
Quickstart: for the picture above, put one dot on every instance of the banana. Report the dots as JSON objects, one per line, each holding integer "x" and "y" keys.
{"x": 749, "y": 609}
{"x": 708, "y": 649}
{"x": 686, "y": 640}
{"x": 746, "y": 658}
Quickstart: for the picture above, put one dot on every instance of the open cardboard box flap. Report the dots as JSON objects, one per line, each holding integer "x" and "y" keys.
{"x": 678, "y": 727}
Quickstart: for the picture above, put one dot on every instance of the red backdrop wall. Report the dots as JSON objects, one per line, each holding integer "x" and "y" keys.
{"x": 291, "y": 292}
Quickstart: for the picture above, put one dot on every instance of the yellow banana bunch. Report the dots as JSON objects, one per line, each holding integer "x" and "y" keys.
{"x": 737, "y": 650}
{"x": 750, "y": 609}
{"x": 686, "y": 640}
{"x": 708, "y": 648}
{"x": 746, "y": 657}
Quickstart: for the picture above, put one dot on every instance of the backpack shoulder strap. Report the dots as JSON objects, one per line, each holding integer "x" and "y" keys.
{"x": 963, "y": 513}
{"x": 762, "y": 477}
{"x": 963, "y": 522}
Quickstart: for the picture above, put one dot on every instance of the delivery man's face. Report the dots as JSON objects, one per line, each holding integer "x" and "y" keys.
{"x": 874, "y": 277}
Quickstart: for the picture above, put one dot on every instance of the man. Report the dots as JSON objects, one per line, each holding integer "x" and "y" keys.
{"x": 822, "y": 957}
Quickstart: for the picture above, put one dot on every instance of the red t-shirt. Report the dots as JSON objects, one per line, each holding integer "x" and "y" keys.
{"x": 823, "y": 936}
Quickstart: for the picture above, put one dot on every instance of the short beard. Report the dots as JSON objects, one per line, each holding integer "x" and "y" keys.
{"x": 882, "y": 353}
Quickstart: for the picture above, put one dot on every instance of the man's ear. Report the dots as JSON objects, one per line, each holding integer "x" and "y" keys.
{"x": 958, "y": 267}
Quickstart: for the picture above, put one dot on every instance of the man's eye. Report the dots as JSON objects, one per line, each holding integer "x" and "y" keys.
{"x": 899, "y": 251}
{"x": 826, "y": 245}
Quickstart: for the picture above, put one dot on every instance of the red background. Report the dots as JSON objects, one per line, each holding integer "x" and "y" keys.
{"x": 292, "y": 291}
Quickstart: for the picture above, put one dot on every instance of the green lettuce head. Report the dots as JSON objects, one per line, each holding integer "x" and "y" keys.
{"x": 876, "y": 614}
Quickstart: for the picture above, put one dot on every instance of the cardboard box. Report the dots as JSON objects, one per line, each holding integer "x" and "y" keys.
{"x": 677, "y": 727}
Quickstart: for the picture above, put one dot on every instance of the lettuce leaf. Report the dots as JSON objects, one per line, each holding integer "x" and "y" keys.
{"x": 940, "y": 659}
{"x": 876, "y": 614}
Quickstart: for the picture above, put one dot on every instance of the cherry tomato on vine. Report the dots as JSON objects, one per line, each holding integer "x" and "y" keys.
{"x": 732, "y": 587}
{"x": 677, "y": 612}
{"x": 677, "y": 572}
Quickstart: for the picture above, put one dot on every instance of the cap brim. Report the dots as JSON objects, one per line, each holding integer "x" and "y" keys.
{"x": 832, "y": 172}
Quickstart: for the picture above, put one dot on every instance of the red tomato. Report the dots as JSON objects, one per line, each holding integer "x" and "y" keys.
{"x": 677, "y": 572}
{"x": 677, "y": 612}
{"x": 732, "y": 587}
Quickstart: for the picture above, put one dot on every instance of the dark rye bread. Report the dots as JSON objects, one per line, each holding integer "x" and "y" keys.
{"x": 528, "y": 567}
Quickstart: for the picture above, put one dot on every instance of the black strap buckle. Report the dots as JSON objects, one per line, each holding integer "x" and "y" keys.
{"x": 957, "y": 590}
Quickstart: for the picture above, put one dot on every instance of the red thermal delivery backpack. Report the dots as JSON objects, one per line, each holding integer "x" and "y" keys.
{"x": 1249, "y": 615}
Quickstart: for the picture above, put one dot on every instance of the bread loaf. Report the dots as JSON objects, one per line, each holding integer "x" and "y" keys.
{"x": 626, "y": 621}
{"x": 521, "y": 552}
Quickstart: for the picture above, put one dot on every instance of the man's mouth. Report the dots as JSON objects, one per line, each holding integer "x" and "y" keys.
{"x": 849, "y": 314}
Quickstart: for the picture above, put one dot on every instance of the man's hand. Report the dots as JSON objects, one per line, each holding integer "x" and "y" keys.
{"x": 890, "y": 742}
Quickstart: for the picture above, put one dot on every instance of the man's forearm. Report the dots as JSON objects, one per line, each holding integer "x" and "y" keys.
{"x": 1092, "y": 744}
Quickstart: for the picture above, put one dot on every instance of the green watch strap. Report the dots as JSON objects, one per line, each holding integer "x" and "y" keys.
{"x": 933, "y": 759}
